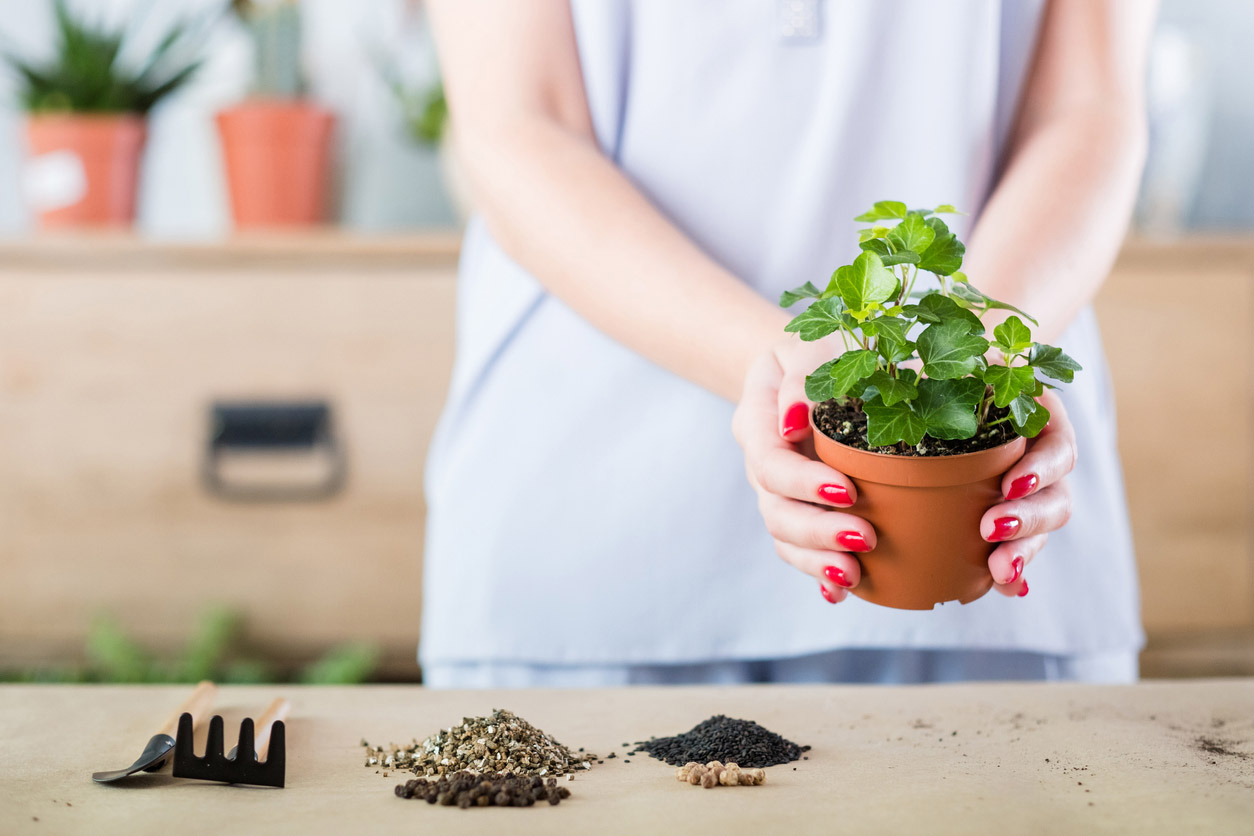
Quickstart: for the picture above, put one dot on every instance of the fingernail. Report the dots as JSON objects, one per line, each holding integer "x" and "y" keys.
{"x": 1022, "y": 486}
{"x": 827, "y": 594}
{"x": 853, "y": 541}
{"x": 836, "y": 494}
{"x": 796, "y": 418}
{"x": 1017, "y": 565}
{"x": 1024, "y": 591}
{"x": 1004, "y": 528}
{"x": 836, "y": 576}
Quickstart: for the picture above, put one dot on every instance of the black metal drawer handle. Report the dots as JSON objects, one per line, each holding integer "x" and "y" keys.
{"x": 244, "y": 431}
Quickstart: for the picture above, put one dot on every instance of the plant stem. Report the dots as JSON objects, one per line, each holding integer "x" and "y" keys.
{"x": 906, "y": 295}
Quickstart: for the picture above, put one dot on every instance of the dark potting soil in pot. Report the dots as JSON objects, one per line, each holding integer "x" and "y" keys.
{"x": 845, "y": 422}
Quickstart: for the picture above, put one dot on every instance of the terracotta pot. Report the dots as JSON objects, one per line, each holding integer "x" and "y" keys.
{"x": 84, "y": 168}
{"x": 926, "y": 512}
{"x": 278, "y": 157}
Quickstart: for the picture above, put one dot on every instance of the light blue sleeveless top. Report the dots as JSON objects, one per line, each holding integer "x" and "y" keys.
{"x": 588, "y": 507}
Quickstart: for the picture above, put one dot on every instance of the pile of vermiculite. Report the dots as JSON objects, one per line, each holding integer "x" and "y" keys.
{"x": 501, "y": 742}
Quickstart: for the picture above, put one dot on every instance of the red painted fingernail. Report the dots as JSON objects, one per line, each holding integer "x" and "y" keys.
{"x": 836, "y": 494}
{"x": 836, "y": 576}
{"x": 853, "y": 541}
{"x": 1017, "y": 565}
{"x": 827, "y": 594}
{"x": 1004, "y": 528}
{"x": 796, "y": 418}
{"x": 1022, "y": 486}
{"x": 1024, "y": 591}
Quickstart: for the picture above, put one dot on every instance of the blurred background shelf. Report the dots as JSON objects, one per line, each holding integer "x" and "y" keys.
{"x": 112, "y": 349}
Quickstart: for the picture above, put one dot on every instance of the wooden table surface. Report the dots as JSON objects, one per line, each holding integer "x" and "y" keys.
{"x": 1158, "y": 757}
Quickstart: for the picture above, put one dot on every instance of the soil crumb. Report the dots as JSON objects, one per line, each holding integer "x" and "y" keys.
{"x": 845, "y": 422}
{"x": 1220, "y": 748}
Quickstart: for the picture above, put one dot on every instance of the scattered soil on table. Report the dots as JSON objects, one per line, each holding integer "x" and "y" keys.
{"x": 1219, "y": 748}
{"x": 845, "y": 422}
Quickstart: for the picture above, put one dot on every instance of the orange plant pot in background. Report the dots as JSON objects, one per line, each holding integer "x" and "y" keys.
{"x": 278, "y": 156}
{"x": 84, "y": 168}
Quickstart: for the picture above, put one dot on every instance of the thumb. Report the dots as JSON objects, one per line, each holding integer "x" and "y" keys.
{"x": 794, "y": 407}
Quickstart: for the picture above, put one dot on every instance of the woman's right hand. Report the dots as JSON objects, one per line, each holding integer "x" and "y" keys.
{"x": 798, "y": 496}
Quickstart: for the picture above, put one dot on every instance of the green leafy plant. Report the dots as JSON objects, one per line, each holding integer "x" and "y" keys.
{"x": 424, "y": 110}
{"x": 113, "y": 656}
{"x": 276, "y": 32}
{"x": 919, "y": 364}
{"x": 86, "y": 75}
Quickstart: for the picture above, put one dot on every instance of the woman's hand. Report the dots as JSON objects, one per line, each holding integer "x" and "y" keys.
{"x": 1038, "y": 500}
{"x": 796, "y": 492}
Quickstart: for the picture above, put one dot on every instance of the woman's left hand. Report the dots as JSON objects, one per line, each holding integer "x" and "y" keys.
{"x": 1037, "y": 500}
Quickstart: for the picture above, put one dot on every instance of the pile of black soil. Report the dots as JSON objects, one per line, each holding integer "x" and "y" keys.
{"x": 724, "y": 739}
{"x": 845, "y": 422}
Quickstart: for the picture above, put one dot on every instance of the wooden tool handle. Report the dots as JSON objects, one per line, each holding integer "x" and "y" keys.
{"x": 196, "y": 705}
{"x": 261, "y": 739}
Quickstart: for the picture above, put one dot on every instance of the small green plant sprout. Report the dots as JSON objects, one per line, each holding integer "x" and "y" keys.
{"x": 919, "y": 363}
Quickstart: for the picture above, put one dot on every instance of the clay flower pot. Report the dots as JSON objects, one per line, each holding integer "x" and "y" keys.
{"x": 278, "y": 157}
{"x": 84, "y": 168}
{"x": 926, "y": 512}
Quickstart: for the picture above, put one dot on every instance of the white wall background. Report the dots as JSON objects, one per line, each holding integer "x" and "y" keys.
{"x": 384, "y": 181}
{"x": 1203, "y": 171}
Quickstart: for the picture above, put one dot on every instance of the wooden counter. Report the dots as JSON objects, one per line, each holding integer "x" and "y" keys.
{"x": 1172, "y": 758}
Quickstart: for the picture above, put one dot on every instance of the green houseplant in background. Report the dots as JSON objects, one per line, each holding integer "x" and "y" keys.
{"x": 213, "y": 651}
{"x": 277, "y": 143}
{"x": 917, "y": 410}
{"x": 86, "y": 114}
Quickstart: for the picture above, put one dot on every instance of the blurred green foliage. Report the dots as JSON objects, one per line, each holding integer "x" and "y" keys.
{"x": 211, "y": 653}
{"x": 86, "y": 74}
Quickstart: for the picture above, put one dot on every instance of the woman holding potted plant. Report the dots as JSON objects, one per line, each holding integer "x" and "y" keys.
{"x": 670, "y": 170}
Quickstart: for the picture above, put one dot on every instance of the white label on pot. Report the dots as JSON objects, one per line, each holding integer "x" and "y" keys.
{"x": 54, "y": 180}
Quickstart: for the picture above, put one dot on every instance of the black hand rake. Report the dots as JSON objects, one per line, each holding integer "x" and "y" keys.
{"x": 242, "y": 765}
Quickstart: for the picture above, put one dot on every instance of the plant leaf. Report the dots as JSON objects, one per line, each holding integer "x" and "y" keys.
{"x": 970, "y": 296}
{"x": 819, "y": 383}
{"x": 883, "y": 210}
{"x": 1012, "y": 336}
{"x": 947, "y": 407}
{"x": 872, "y": 232}
{"x": 1032, "y": 423}
{"x": 1021, "y": 407}
{"x": 849, "y": 369}
{"x": 912, "y": 234}
{"x": 900, "y": 257}
{"x": 823, "y": 317}
{"x": 947, "y": 209}
{"x": 936, "y": 307}
{"x": 1008, "y": 382}
{"x": 1050, "y": 361}
{"x": 894, "y": 343}
{"x": 949, "y": 350}
{"x": 887, "y": 425}
{"x": 806, "y": 291}
{"x": 865, "y": 281}
{"x": 944, "y": 256}
{"x": 878, "y": 246}
{"x": 893, "y": 390}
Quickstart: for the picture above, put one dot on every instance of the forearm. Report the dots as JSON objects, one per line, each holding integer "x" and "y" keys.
{"x": 1052, "y": 229}
{"x": 570, "y": 217}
